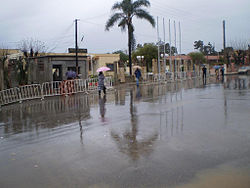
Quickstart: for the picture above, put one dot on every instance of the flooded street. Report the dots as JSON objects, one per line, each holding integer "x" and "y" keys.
{"x": 183, "y": 134}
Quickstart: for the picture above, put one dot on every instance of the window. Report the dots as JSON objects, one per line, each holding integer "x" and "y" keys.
{"x": 74, "y": 69}
{"x": 111, "y": 66}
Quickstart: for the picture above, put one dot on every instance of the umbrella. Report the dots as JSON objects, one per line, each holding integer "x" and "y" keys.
{"x": 137, "y": 67}
{"x": 216, "y": 66}
{"x": 102, "y": 69}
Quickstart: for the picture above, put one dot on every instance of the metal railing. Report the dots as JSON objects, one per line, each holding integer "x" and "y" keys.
{"x": 30, "y": 92}
{"x": 68, "y": 87}
{"x": 47, "y": 89}
{"x": 9, "y": 96}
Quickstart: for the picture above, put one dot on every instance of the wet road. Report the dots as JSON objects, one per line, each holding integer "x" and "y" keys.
{"x": 176, "y": 135}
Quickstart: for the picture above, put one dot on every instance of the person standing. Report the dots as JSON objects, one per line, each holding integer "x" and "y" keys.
{"x": 204, "y": 75}
{"x": 71, "y": 74}
{"x": 101, "y": 85}
{"x": 55, "y": 76}
{"x": 222, "y": 70}
{"x": 137, "y": 76}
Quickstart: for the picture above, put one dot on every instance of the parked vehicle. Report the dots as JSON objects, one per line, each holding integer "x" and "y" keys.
{"x": 244, "y": 70}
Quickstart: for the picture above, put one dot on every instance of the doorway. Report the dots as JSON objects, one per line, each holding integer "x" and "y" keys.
{"x": 57, "y": 72}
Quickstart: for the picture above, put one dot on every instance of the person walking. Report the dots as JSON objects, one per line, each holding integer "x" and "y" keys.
{"x": 137, "y": 76}
{"x": 101, "y": 85}
{"x": 217, "y": 73}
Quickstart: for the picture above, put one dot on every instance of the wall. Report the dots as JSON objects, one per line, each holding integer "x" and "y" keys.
{"x": 1, "y": 78}
{"x": 41, "y": 68}
{"x": 103, "y": 59}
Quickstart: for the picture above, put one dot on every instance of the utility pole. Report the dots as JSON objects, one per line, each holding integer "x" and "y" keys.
{"x": 224, "y": 35}
{"x": 226, "y": 58}
{"x": 170, "y": 50}
{"x": 175, "y": 49}
{"x": 158, "y": 48}
{"x": 164, "y": 51}
{"x": 180, "y": 44}
{"x": 76, "y": 46}
{"x": 180, "y": 36}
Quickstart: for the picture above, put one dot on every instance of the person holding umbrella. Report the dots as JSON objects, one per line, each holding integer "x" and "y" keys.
{"x": 101, "y": 79}
{"x": 101, "y": 85}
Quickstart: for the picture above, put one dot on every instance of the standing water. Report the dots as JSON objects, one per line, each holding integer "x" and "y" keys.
{"x": 183, "y": 134}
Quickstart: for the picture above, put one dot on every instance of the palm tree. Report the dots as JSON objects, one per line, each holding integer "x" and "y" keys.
{"x": 126, "y": 10}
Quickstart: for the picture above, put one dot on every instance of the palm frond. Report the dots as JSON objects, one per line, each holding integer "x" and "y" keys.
{"x": 127, "y": 7}
{"x": 141, "y": 3}
{"x": 123, "y": 24}
{"x": 143, "y": 14}
{"x": 117, "y": 6}
{"x": 113, "y": 19}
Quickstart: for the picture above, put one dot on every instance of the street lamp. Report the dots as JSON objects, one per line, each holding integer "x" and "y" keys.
{"x": 140, "y": 58}
{"x": 164, "y": 60}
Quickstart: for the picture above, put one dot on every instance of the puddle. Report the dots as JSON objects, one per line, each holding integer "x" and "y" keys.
{"x": 222, "y": 177}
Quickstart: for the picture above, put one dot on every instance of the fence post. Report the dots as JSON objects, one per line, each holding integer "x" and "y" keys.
{"x": 19, "y": 95}
{"x": 42, "y": 95}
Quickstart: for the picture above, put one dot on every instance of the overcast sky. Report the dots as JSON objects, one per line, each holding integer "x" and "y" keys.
{"x": 52, "y": 22}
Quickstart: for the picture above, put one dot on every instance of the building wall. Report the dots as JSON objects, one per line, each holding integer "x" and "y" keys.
{"x": 41, "y": 68}
{"x": 1, "y": 78}
{"x": 70, "y": 62}
{"x": 102, "y": 60}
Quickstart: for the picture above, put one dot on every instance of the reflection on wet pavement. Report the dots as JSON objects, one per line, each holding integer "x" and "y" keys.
{"x": 223, "y": 176}
{"x": 175, "y": 134}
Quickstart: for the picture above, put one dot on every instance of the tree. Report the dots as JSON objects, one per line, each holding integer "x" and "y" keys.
{"x": 167, "y": 49}
{"x": 4, "y": 71}
{"x": 208, "y": 49}
{"x": 197, "y": 57}
{"x": 198, "y": 45}
{"x": 31, "y": 47}
{"x": 228, "y": 52}
{"x": 240, "y": 51}
{"x": 3, "y": 76}
{"x": 126, "y": 11}
{"x": 123, "y": 56}
{"x": 149, "y": 51}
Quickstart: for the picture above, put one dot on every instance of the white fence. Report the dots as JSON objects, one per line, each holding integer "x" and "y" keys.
{"x": 170, "y": 76}
{"x": 47, "y": 89}
{"x": 9, "y": 96}
{"x": 69, "y": 87}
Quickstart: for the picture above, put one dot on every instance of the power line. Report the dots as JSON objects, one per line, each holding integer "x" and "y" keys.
{"x": 172, "y": 8}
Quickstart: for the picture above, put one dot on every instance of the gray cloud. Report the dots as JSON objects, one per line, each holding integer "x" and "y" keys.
{"x": 52, "y": 22}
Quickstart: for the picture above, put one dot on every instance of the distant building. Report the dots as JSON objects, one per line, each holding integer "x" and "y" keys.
{"x": 103, "y": 60}
{"x": 42, "y": 68}
{"x": 185, "y": 63}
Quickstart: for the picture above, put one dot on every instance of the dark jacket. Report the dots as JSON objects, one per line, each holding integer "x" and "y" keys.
{"x": 137, "y": 73}
{"x": 101, "y": 78}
